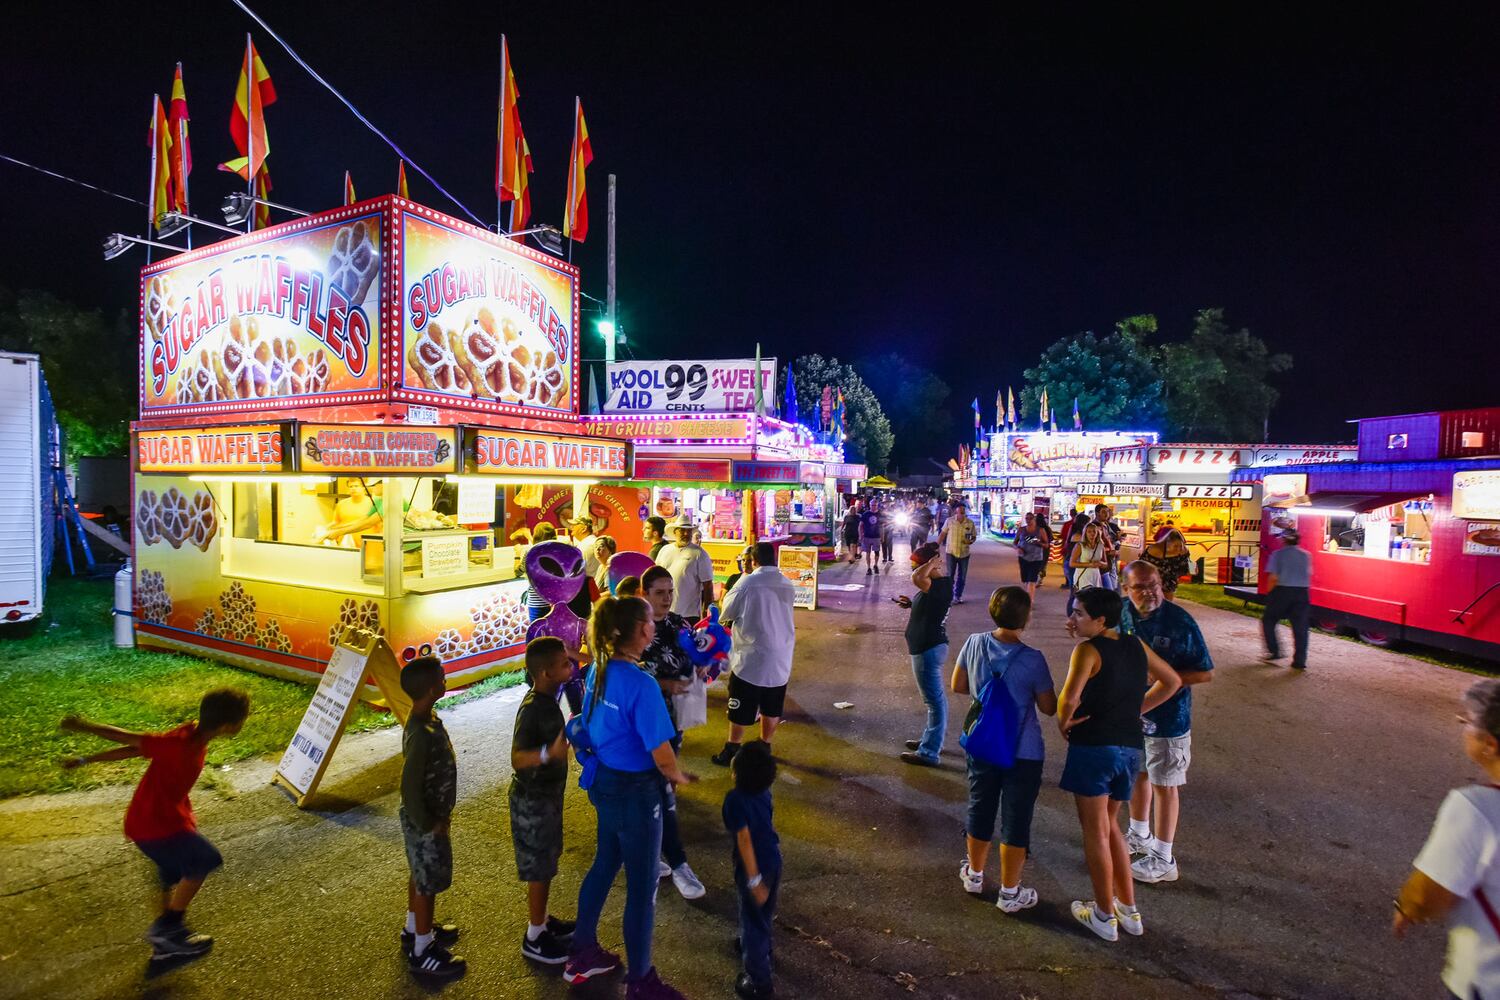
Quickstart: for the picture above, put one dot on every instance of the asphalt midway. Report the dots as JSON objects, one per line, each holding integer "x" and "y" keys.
{"x": 1308, "y": 797}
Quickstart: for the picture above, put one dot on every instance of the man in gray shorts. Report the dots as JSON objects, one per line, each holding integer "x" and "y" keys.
{"x": 1174, "y": 636}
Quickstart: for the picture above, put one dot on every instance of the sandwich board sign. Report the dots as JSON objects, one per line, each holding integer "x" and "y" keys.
{"x": 358, "y": 655}
{"x": 799, "y": 564}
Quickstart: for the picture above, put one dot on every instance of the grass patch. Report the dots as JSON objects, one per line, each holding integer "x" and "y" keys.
{"x": 68, "y": 665}
{"x": 1213, "y": 595}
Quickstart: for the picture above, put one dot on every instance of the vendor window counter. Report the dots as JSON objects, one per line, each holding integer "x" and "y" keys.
{"x": 441, "y": 559}
{"x": 319, "y": 567}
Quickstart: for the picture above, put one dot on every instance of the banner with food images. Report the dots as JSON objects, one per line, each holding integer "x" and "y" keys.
{"x": 287, "y": 320}
{"x": 486, "y": 323}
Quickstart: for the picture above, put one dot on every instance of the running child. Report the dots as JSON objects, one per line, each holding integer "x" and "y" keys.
{"x": 757, "y": 863}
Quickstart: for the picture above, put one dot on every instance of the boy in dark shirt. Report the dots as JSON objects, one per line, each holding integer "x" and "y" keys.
{"x": 539, "y": 755}
{"x": 160, "y": 818}
{"x": 757, "y": 863}
{"x": 429, "y": 789}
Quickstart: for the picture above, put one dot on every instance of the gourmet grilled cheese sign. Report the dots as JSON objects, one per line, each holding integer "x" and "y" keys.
{"x": 345, "y": 449}
{"x": 518, "y": 453}
{"x": 245, "y": 448}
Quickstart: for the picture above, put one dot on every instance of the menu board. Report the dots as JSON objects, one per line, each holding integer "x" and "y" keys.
{"x": 1477, "y": 494}
{"x": 445, "y": 556}
{"x": 800, "y": 565}
{"x": 476, "y": 502}
{"x": 1481, "y": 538}
{"x": 726, "y": 523}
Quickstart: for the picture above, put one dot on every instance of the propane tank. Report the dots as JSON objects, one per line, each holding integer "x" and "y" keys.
{"x": 124, "y": 607}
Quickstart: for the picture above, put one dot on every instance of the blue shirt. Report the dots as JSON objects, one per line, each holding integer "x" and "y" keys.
{"x": 630, "y": 720}
{"x": 753, "y": 811}
{"x": 1023, "y": 671}
{"x": 1173, "y": 635}
{"x": 1292, "y": 566}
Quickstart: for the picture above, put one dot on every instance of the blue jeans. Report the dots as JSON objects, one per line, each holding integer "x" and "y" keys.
{"x": 629, "y": 804}
{"x": 755, "y": 924}
{"x": 927, "y": 667}
{"x": 958, "y": 568}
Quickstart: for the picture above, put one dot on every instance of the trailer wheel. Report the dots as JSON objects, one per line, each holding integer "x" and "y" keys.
{"x": 1329, "y": 625}
{"x": 1382, "y": 639}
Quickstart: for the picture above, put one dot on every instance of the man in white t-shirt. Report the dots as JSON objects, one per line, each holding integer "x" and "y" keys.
{"x": 692, "y": 572}
{"x": 581, "y": 530}
{"x": 1457, "y": 875}
{"x": 760, "y": 658}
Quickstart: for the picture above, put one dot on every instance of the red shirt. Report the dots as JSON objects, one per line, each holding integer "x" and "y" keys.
{"x": 160, "y": 806}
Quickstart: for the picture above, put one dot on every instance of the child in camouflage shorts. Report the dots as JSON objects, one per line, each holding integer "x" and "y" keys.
{"x": 539, "y": 755}
{"x": 429, "y": 788}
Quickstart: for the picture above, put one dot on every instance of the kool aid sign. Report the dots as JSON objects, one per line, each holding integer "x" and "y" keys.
{"x": 689, "y": 386}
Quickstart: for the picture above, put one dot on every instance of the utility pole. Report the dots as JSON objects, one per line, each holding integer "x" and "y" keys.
{"x": 609, "y": 295}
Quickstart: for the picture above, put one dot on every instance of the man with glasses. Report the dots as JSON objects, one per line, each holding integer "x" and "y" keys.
{"x": 1174, "y": 636}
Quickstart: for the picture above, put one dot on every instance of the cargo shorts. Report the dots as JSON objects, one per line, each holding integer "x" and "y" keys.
{"x": 536, "y": 833}
{"x": 1167, "y": 759}
{"x": 429, "y": 856}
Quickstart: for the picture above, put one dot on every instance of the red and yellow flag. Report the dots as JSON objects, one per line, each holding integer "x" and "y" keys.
{"x": 576, "y": 213}
{"x": 247, "y": 119}
{"x": 349, "y": 196}
{"x": 509, "y": 156}
{"x": 263, "y": 192}
{"x": 182, "y": 154}
{"x": 401, "y": 179}
{"x": 160, "y": 141}
{"x": 520, "y": 208}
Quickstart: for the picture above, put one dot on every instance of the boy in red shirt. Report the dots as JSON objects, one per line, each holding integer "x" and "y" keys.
{"x": 160, "y": 818}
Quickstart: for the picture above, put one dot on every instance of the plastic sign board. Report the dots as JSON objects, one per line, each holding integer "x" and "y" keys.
{"x": 845, "y": 470}
{"x": 799, "y": 564}
{"x": 291, "y": 317}
{"x": 1062, "y": 451}
{"x": 476, "y": 502}
{"x": 1121, "y": 489}
{"x": 1481, "y": 539}
{"x": 485, "y": 322}
{"x": 1477, "y": 495}
{"x": 242, "y": 448}
{"x": 357, "y": 654}
{"x": 673, "y": 429}
{"x": 1235, "y": 491}
{"x": 768, "y": 473}
{"x": 521, "y": 453}
{"x": 1293, "y": 455}
{"x": 445, "y": 556}
{"x": 688, "y": 386}
{"x": 352, "y": 449}
{"x": 686, "y": 470}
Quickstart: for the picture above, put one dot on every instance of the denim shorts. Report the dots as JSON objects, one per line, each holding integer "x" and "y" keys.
{"x": 1091, "y": 771}
{"x": 182, "y": 855}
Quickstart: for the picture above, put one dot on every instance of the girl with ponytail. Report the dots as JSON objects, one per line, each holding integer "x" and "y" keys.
{"x": 631, "y": 735}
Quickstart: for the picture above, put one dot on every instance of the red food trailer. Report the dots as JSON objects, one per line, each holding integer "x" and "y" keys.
{"x": 1405, "y": 542}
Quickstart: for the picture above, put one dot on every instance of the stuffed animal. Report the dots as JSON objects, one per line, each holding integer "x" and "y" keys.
{"x": 707, "y": 645}
{"x": 555, "y": 570}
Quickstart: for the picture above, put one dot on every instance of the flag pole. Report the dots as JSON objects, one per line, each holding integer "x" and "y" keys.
{"x": 187, "y": 208}
{"x": 250, "y": 85}
{"x": 500, "y": 140}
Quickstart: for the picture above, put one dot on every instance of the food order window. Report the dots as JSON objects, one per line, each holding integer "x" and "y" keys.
{"x": 1401, "y": 532}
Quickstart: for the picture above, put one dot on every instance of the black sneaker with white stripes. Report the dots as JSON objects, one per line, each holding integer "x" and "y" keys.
{"x": 436, "y": 963}
{"x": 443, "y": 934}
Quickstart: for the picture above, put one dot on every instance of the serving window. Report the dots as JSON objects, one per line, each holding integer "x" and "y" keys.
{"x": 1401, "y": 532}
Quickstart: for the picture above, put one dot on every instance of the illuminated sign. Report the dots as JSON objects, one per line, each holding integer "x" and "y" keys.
{"x": 687, "y": 386}
{"x": 718, "y": 430}
{"x": 690, "y": 470}
{"x": 247, "y": 448}
{"x": 519, "y": 453}
{"x": 291, "y": 318}
{"x": 1063, "y": 451}
{"x": 1121, "y": 490}
{"x": 768, "y": 473}
{"x": 812, "y": 474}
{"x": 839, "y": 470}
{"x": 1237, "y": 491}
{"x": 1477, "y": 495}
{"x": 1304, "y": 456}
{"x": 486, "y": 323}
{"x": 351, "y": 449}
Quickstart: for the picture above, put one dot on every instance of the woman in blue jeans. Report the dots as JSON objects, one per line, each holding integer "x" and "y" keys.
{"x": 1001, "y": 657}
{"x": 927, "y": 642}
{"x": 1112, "y": 681}
{"x": 631, "y": 735}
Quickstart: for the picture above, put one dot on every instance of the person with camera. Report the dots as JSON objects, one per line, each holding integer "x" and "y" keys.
{"x": 927, "y": 643}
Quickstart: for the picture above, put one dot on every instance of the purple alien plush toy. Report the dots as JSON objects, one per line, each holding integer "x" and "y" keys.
{"x": 556, "y": 572}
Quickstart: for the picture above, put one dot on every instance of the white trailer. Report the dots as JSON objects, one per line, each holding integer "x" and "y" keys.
{"x": 30, "y": 447}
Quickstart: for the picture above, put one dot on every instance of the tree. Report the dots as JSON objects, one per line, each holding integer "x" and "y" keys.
{"x": 89, "y": 363}
{"x": 1218, "y": 382}
{"x": 1115, "y": 379}
{"x": 865, "y": 423}
{"x": 916, "y": 401}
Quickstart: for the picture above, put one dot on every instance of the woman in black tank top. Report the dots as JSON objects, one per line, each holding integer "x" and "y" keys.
{"x": 1112, "y": 681}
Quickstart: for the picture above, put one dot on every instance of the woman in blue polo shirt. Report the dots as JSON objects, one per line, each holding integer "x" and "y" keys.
{"x": 631, "y": 735}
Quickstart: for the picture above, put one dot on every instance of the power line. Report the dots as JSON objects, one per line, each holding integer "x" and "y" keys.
{"x": 70, "y": 180}
{"x": 355, "y": 111}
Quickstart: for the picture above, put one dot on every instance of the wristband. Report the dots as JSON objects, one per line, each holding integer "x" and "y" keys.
{"x": 752, "y": 883}
{"x": 545, "y": 755}
{"x": 1397, "y": 904}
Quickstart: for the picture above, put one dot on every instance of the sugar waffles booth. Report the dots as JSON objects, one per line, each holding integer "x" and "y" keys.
{"x": 358, "y": 418}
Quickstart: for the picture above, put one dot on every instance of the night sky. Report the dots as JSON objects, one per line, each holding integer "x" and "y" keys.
{"x": 962, "y": 190}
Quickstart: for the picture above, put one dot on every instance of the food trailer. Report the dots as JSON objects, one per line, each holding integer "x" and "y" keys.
{"x": 1188, "y": 487}
{"x": 1405, "y": 541}
{"x": 1039, "y": 472}
{"x": 354, "y": 418}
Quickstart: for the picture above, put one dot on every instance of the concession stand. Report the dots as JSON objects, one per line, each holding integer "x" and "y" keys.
{"x": 1405, "y": 541}
{"x": 1189, "y": 487}
{"x": 1039, "y": 472}
{"x": 355, "y": 418}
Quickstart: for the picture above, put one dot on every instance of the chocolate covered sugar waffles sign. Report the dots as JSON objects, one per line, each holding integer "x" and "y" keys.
{"x": 486, "y": 323}
{"x": 288, "y": 320}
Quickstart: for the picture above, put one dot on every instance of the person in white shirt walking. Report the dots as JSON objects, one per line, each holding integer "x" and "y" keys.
{"x": 692, "y": 572}
{"x": 760, "y": 659}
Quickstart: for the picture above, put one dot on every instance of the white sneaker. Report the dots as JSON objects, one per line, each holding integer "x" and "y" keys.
{"x": 1153, "y": 868}
{"x": 1137, "y": 845}
{"x": 973, "y": 881}
{"x": 687, "y": 883}
{"x": 662, "y": 870}
{"x": 1024, "y": 899}
{"x": 1129, "y": 918}
{"x": 1087, "y": 914}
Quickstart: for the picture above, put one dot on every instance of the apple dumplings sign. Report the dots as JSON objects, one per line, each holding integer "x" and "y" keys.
{"x": 290, "y": 319}
{"x": 487, "y": 323}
